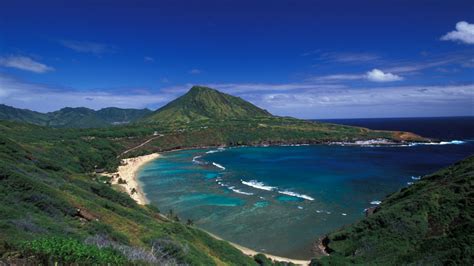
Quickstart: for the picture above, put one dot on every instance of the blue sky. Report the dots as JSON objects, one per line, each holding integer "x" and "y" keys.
{"x": 308, "y": 59}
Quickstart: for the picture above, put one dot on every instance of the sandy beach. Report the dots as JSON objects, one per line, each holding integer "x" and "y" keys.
{"x": 127, "y": 175}
{"x": 251, "y": 253}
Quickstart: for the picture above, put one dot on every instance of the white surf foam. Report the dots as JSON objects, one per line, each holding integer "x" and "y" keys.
{"x": 452, "y": 142}
{"x": 375, "y": 202}
{"x": 344, "y": 214}
{"x": 416, "y": 177}
{"x": 218, "y": 166}
{"x": 294, "y": 194}
{"x": 239, "y": 191}
{"x": 258, "y": 185}
{"x": 365, "y": 143}
{"x": 197, "y": 161}
{"x": 214, "y": 151}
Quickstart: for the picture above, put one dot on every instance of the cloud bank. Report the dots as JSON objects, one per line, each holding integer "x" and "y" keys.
{"x": 303, "y": 100}
{"x": 43, "y": 98}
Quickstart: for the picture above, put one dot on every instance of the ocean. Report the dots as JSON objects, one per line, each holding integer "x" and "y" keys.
{"x": 281, "y": 199}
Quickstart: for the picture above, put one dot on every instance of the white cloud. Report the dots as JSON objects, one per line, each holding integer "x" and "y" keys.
{"x": 24, "y": 63}
{"x": 464, "y": 33}
{"x": 195, "y": 71}
{"x": 377, "y": 75}
{"x": 87, "y": 47}
{"x": 374, "y": 75}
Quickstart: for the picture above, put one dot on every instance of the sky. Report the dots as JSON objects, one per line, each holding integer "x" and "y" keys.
{"x": 307, "y": 59}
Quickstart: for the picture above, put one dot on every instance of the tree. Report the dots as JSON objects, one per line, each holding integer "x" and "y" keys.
{"x": 189, "y": 222}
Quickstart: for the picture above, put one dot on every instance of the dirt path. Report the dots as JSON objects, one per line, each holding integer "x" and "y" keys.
{"x": 140, "y": 145}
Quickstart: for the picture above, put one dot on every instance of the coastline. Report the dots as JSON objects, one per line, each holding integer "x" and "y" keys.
{"x": 251, "y": 252}
{"x": 127, "y": 175}
{"x": 127, "y": 171}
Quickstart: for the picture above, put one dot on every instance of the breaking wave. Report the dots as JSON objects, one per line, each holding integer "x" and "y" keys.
{"x": 258, "y": 185}
{"x": 214, "y": 151}
{"x": 294, "y": 194}
{"x": 218, "y": 166}
{"x": 239, "y": 191}
{"x": 197, "y": 161}
{"x": 452, "y": 142}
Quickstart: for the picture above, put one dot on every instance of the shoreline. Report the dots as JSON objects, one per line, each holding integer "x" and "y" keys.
{"x": 127, "y": 174}
{"x": 128, "y": 170}
{"x": 251, "y": 252}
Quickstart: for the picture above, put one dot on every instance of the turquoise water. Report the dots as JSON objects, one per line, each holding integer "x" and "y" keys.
{"x": 281, "y": 199}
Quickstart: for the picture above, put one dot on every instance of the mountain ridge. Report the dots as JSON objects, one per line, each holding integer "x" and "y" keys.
{"x": 74, "y": 117}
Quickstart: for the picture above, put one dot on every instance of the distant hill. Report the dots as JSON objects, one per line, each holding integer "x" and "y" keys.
{"x": 22, "y": 115}
{"x": 203, "y": 103}
{"x": 428, "y": 223}
{"x": 80, "y": 117}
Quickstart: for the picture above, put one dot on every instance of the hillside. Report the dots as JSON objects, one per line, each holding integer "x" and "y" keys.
{"x": 428, "y": 223}
{"x": 56, "y": 210}
{"x": 79, "y": 117}
{"x": 202, "y": 103}
{"x": 22, "y": 115}
{"x": 207, "y": 117}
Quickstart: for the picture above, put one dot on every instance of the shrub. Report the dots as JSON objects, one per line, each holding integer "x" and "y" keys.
{"x": 52, "y": 250}
{"x": 262, "y": 260}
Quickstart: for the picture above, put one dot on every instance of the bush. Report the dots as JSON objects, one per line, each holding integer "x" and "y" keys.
{"x": 262, "y": 260}
{"x": 52, "y": 250}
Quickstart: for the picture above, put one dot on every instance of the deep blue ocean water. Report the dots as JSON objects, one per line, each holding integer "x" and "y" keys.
{"x": 281, "y": 199}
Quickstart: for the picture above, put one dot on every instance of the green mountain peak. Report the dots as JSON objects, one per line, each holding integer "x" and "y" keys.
{"x": 203, "y": 103}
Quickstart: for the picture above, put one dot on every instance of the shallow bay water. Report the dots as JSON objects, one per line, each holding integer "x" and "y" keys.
{"x": 281, "y": 199}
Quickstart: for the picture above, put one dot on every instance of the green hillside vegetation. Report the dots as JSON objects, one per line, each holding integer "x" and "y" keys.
{"x": 54, "y": 210}
{"x": 428, "y": 223}
{"x": 202, "y": 103}
{"x": 74, "y": 117}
